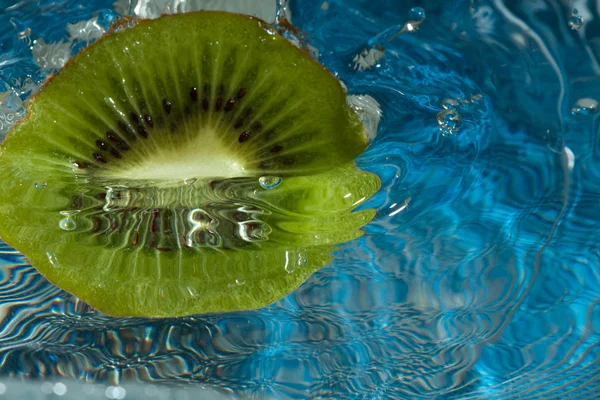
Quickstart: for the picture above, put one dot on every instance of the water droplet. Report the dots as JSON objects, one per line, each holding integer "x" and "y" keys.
{"x": 189, "y": 181}
{"x": 449, "y": 121}
{"x": 450, "y": 104}
{"x": 269, "y": 182}
{"x": 54, "y": 262}
{"x": 585, "y": 106}
{"x": 417, "y": 14}
{"x": 476, "y": 98}
{"x": 239, "y": 282}
{"x": 575, "y": 20}
{"x": 302, "y": 260}
{"x": 570, "y": 158}
{"x": 40, "y": 185}
{"x": 290, "y": 266}
{"x": 67, "y": 224}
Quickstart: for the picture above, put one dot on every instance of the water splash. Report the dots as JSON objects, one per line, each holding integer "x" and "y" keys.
{"x": 369, "y": 111}
{"x": 368, "y": 58}
{"x": 86, "y": 31}
{"x": 11, "y": 108}
{"x": 51, "y": 56}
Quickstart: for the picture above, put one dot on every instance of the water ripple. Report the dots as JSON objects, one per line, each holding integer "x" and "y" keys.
{"x": 477, "y": 279}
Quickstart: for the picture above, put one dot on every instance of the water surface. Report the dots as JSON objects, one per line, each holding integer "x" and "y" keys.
{"x": 478, "y": 278}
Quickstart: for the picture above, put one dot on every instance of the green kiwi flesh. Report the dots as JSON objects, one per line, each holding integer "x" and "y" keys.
{"x": 133, "y": 181}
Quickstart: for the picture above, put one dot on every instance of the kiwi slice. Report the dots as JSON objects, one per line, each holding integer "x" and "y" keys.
{"x": 137, "y": 180}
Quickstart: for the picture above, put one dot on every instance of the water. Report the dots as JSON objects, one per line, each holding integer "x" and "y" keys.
{"x": 478, "y": 278}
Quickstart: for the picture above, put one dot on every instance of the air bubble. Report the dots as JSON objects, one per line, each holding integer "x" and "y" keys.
{"x": 449, "y": 121}
{"x": 269, "y": 182}
{"x": 575, "y": 20}
{"x": 60, "y": 389}
{"x": 450, "y": 104}
{"x": 115, "y": 392}
{"x": 40, "y": 185}
{"x": 585, "y": 106}
{"x": 67, "y": 224}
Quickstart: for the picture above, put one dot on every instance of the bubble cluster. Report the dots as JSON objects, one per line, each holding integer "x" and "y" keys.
{"x": 449, "y": 119}
{"x": 575, "y": 20}
{"x": 585, "y": 106}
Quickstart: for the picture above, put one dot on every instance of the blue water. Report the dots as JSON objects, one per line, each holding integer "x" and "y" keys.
{"x": 478, "y": 279}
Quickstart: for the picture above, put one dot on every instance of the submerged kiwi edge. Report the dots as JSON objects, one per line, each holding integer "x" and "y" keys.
{"x": 255, "y": 270}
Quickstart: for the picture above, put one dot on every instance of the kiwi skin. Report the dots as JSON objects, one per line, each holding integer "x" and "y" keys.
{"x": 306, "y": 222}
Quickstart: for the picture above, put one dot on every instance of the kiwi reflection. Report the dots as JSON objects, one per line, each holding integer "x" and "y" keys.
{"x": 204, "y": 246}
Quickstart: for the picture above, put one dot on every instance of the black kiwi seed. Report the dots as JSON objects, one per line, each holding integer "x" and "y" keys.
{"x": 142, "y": 131}
{"x": 205, "y": 104}
{"x": 239, "y": 123}
{"x": 155, "y": 215}
{"x": 122, "y": 146}
{"x": 194, "y": 94}
{"x": 115, "y": 153}
{"x": 125, "y": 128}
{"x": 97, "y": 225}
{"x": 167, "y": 106}
{"x": 77, "y": 202}
{"x": 289, "y": 161}
{"x": 99, "y": 158}
{"x": 277, "y": 148}
{"x": 244, "y": 136}
{"x": 219, "y": 104}
{"x": 101, "y": 145}
{"x": 134, "y": 117}
{"x": 230, "y": 104}
{"x": 241, "y": 93}
{"x": 79, "y": 164}
{"x": 148, "y": 120}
